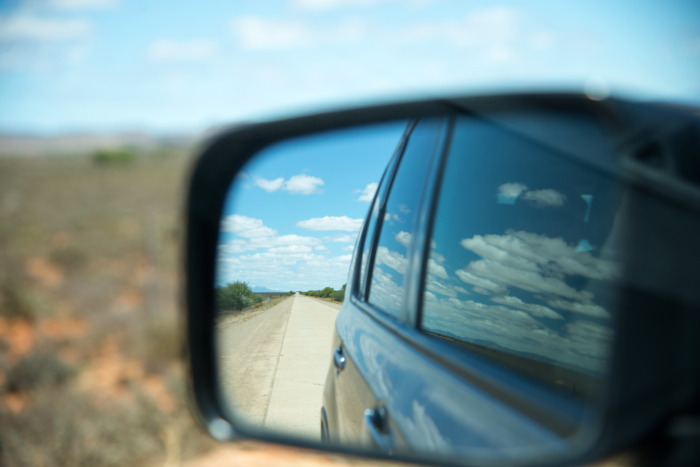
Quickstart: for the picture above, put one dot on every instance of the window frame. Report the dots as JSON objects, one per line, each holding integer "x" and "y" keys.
{"x": 369, "y": 239}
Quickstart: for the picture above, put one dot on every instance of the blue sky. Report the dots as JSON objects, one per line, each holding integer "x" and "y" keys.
{"x": 183, "y": 66}
{"x": 292, "y": 216}
{"x": 112, "y": 65}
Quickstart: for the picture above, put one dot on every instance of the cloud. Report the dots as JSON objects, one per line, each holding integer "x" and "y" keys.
{"x": 386, "y": 294}
{"x": 318, "y": 5}
{"x": 256, "y": 236}
{"x": 537, "y": 264}
{"x": 246, "y": 227}
{"x": 182, "y": 51}
{"x": 269, "y": 185}
{"x": 545, "y": 198}
{"x": 344, "y": 238}
{"x": 285, "y": 268}
{"x": 261, "y": 33}
{"x": 531, "y": 308}
{"x": 368, "y": 192}
{"x": 492, "y": 32}
{"x": 82, "y": 4}
{"x": 293, "y": 249}
{"x": 578, "y": 344}
{"x": 303, "y": 184}
{"x": 39, "y": 29}
{"x": 391, "y": 259}
{"x": 329, "y": 4}
{"x": 508, "y": 192}
{"x": 343, "y": 223}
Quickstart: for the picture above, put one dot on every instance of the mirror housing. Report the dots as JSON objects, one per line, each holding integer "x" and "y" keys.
{"x": 654, "y": 380}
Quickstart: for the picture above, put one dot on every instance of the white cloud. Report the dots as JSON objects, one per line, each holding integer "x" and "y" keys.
{"x": 344, "y": 238}
{"x": 293, "y": 249}
{"x": 343, "y": 223}
{"x": 261, "y": 239}
{"x": 285, "y": 269}
{"x": 391, "y": 259}
{"x": 508, "y": 192}
{"x": 246, "y": 227}
{"x": 333, "y": 4}
{"x": 182, "y": 51}
{"x": 480, "y": 282}
{"x": 269, "y": 185}
{"x": 579, "y": 344}
{"x": 261, "y": 33}
{"x": 545, "y": 198}
{"x": 589, "y": 309}
{"x": 404, "y": 238}
{"x": 303, "y": 184}
{"x": 532, "y": 308}
{"x": 385, "y": 293}
{"x": 512, "y": 190}
{"x": 329, "y": 4}
{"x": 368, "y": 192}
{"x": 536, "y": 264}
{"x": 82, "y": 4}
{"x": 39, "y": 29}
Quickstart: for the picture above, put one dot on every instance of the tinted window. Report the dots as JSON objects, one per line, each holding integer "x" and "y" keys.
{"x": 523, "y": 255}
{"x": 399, "y": 218}
{"x": 371, "y": 224}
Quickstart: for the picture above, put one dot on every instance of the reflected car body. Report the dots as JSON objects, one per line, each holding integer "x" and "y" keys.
{"x": 478, "y": 316}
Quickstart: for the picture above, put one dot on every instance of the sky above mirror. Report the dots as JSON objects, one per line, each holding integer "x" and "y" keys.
{"x": 184, "y": 66}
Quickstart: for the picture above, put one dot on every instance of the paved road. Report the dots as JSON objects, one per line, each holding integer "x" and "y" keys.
{"x": 273, "y": 363}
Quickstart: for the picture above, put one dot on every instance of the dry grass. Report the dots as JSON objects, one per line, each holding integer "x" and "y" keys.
{"x": 90, "y": 364}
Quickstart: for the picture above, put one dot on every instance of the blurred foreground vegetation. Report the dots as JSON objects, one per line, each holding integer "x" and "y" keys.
{"x": 90, "y": 346}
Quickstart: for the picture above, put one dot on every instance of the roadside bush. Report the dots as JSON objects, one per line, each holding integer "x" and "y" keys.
{"x": 338, "y": 295}
{"x": 236, "y": 296}
{"x": 328, "y": 292}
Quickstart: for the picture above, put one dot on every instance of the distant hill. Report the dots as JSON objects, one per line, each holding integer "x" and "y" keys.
{"x": 22, "y": 145}
{"x": 261, "y": 289}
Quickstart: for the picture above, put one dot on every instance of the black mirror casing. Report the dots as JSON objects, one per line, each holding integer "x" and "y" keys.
{"x": 653, "y": 380}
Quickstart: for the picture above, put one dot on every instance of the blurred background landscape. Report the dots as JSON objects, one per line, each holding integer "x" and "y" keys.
{"x": 103, "y": 104}
{"x": 90, "y": 347}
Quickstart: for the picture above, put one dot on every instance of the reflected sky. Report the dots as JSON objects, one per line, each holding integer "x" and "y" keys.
{"x": 523, "y": 257}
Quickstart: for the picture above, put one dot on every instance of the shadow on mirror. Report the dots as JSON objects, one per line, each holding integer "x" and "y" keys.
{"x": 483, "y": 285}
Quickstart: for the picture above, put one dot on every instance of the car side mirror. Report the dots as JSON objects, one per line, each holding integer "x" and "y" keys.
{"x": 503, "y": 279}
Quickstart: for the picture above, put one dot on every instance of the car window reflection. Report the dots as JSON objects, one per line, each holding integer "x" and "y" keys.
{"x": 399, "y": 220}
{"x": 523, "y": 257}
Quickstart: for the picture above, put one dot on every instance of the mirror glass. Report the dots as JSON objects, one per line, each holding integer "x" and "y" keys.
{"x": 484, "y": 285}
{"x": 290, "y": 226}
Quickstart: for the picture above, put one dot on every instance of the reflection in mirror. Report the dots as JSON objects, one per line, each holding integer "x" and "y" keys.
{"x": 501, "y": 271}
{"x": 527, "y": 277}
{"x": 289, "y": 228}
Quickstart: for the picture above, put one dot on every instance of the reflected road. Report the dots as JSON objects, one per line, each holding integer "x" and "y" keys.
{"x": 273, "y": 363}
